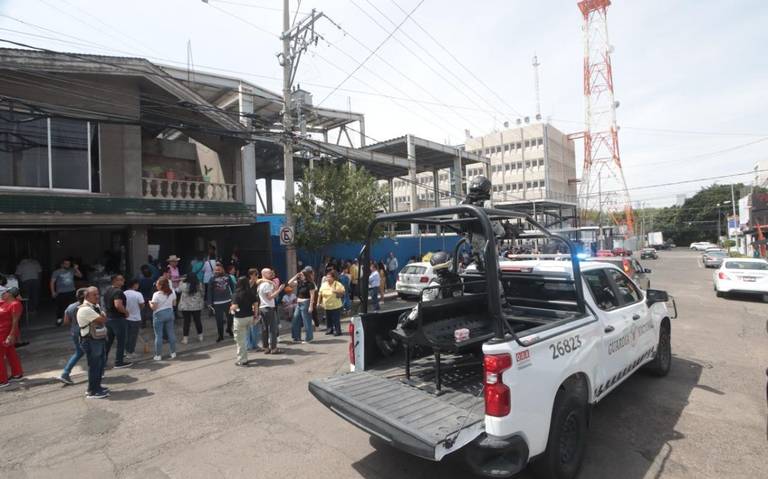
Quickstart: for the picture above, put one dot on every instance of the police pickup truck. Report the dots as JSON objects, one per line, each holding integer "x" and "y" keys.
{"x": 505, "y": 373}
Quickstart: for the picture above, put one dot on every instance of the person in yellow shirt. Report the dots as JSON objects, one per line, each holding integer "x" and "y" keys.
{"x": 330, "y": 293}
{"x": 354, "y": 274}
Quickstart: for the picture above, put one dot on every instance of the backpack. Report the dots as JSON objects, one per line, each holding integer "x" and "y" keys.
{"x": 197, "y": 270}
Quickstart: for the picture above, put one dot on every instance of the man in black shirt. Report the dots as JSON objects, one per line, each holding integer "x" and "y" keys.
{"x": 117, "y": 322}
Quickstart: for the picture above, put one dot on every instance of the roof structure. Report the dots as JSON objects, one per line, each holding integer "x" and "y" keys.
{"x": 429, "y": 155}
{"x": 223, "y": 91}
{"x": 20, "y": 60}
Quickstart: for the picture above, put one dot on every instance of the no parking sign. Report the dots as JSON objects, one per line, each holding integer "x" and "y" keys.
{"x": 286, "y": 236}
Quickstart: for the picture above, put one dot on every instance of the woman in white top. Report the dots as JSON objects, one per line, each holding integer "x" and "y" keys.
{"x": 162, "y": 318}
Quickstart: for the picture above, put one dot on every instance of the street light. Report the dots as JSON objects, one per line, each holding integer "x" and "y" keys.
{"x": 726, "y": 202}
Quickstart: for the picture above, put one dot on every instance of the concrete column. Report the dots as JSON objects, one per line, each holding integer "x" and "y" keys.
{"x": 436, "y": 185}
{"x": 458, "y": 176}
{"x": 391, "y": 185}
{"x": 362, "y": 132}
{"x": 411, "y": 152}
{"x": 132, "y": 161}
{"x": 137, "y": 248}
{"x": 247, "y": 186}
{"x": 268, "y": 184}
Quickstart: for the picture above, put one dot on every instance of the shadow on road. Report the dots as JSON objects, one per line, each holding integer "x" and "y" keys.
{"x": 264, "y": 362}
{"x": 122, "y": 379}
{"x": 129, "y": 394}
{"x": 631, "y": 435}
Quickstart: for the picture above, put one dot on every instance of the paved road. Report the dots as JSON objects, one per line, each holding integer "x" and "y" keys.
{"x": 200, "y": 416}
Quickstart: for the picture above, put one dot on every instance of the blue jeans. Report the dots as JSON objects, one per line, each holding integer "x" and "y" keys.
{"x": 133, "y": 335}
{"x": 95, "y": 352}
{"x": 162, "y": 321}
{"x": 253, "y": 337}
{"x": 75, "y": 356}
{"x": 391, "y": 279}
{"x": 117, "y": 328}
{"x": 301, "y": 317}
{"x": 375, "y": 298}
{"x": 333, "y": 318}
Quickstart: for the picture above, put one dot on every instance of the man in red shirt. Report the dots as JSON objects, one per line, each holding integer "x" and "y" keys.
{"x": 10, "y": 312}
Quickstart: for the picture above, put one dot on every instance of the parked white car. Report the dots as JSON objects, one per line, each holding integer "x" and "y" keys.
{"x": 741, "y": 275}
{"x": 413, "y": 278}
{"x": 702, "y": 245}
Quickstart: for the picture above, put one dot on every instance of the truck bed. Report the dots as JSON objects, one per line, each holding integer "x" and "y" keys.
{"x": 408, "y": 414}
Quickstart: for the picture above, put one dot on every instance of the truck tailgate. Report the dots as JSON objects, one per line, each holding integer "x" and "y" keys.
{"x": 406, "y": 417}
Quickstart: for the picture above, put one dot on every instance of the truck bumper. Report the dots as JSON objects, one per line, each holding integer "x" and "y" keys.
{"x": 492, "y": 456}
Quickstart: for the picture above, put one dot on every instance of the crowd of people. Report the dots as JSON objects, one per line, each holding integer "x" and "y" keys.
{"x": 247, "y": 307}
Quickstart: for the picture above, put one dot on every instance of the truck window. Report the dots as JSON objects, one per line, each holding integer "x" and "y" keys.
{"x": 601, "y": 289}
{"x": 628, "y": 292}
{"x": 540, "y": 292}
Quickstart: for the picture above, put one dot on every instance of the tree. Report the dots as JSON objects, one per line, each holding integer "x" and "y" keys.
{"x": 335, "y": 204}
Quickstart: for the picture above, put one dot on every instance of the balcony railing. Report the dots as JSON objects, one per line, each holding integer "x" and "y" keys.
{"x": 163, "y": 189}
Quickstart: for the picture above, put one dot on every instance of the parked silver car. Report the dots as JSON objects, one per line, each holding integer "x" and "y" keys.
{"x": 713, "y": 258}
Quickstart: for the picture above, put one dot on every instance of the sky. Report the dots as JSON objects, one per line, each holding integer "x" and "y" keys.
{"x": 691, "y": 76}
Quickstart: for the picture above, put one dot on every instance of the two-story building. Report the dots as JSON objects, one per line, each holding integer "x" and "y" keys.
{"x": 109, "y": 159}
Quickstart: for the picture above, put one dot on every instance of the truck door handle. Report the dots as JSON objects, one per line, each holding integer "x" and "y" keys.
{"x": 635, "y": 317}
{"x": 609, "y": 329}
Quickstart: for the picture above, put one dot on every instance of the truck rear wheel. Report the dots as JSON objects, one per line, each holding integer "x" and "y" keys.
{"x": 663, "y": 361}
{"x": 567, "y": 441}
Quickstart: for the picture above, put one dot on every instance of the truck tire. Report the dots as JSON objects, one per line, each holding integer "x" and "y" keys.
{"x": 663, "y": 361}
{"x": 567, "y": 441}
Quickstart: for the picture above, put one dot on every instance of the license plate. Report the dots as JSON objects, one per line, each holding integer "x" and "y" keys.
{"x": 748, "y": 278}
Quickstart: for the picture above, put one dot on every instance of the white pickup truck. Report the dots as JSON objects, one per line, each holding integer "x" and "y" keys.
{"x": 547, "y": 339}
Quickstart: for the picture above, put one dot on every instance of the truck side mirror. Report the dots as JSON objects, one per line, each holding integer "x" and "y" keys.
{"x": 656, "y": 296}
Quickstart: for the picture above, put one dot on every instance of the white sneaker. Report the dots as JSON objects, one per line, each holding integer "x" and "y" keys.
{"x": 173, "y": 355}
{"x": 200, "y": 337}
{"x": 157, "y": 358}
{"x": 185, "y": 340}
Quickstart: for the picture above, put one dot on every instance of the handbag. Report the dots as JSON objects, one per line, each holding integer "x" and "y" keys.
{"x": 95, "y": 331}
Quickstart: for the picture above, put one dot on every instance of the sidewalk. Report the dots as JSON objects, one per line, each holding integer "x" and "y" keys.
{"x": 49, "y": 347}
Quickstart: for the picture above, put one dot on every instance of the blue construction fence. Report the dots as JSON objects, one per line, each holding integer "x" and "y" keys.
{"x": 404, "y": 247}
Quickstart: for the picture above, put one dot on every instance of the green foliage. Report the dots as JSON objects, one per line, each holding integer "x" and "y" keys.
{"x": 696, "y": 220}
{"x": 335, "y": 204}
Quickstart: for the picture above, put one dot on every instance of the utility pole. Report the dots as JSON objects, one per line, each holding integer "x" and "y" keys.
{"x": 600, "y": 210}
{"x": 290, "y": 249}
{"x": 295, "y": 40}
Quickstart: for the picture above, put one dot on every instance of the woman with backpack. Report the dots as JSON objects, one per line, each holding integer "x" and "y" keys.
{"x": 219, "y": 296}
{"x": 191, "y": 305}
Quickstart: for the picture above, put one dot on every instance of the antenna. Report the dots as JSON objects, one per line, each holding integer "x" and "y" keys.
{"x": 536, "y": 64}
{"x": 190, "y": 63}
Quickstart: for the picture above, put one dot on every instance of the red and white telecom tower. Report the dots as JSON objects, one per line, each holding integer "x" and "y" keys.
{"x": 602, "y": 185}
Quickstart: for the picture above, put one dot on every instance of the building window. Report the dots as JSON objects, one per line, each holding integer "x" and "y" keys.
{"x": 509, "y": 187}
{"x": 50, "y": 153}
{"x": 541, "y": 141}
{"x": 528, "y": 184}
{"x": 527, "y": 164}
{"x": 541, "y": 161}
{"x": 506, "y": 147}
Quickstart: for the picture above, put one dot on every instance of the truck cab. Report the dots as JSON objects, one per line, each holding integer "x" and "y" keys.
{"x": 506, "y": 371}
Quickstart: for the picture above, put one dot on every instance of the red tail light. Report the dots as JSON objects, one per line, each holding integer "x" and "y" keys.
{"x": 352, "y": 343}
{"x": 722, "y": 275}
{"x": 625, "y": 263}
{"x": 497, "y": 394}
{"x": 424, "y": 279}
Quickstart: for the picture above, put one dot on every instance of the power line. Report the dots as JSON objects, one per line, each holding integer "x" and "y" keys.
{"x": 704, "y": 155}
{"x": 381, "y": 44}
{"x": 468, "y": 70}
{"x": 673, "y": 183}
{"x": 419, "y": 58}
{"x": 241, "y": 19}
{"x": 379, "y": 94}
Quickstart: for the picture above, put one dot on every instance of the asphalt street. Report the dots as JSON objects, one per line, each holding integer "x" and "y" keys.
{"x": 200, "y": 416}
